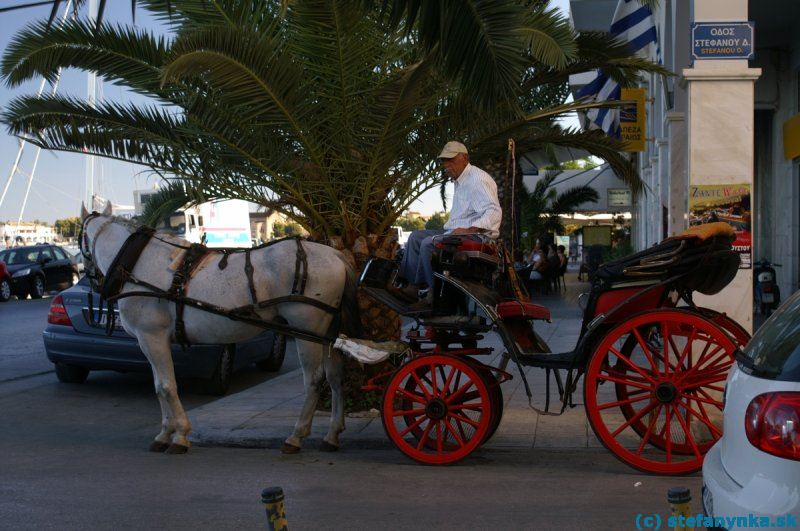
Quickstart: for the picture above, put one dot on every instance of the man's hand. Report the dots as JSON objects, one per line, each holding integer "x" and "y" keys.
{"x": 471, "y": 230}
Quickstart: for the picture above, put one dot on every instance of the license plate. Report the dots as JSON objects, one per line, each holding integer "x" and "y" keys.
{"x": 767, "y": 297}
{"x": 708, "y": 502}
{"x": 101, "y": 320}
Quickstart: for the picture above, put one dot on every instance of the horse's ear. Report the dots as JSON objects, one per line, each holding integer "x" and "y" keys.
{"x": 84, "y": 212}
{"x": 107, "y": 210}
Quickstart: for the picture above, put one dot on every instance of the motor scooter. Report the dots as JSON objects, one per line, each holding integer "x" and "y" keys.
{"x": 766, "y": 290}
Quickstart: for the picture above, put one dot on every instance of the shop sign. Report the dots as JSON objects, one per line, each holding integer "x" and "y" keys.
{"x": 729, "y": 203}
{"x": 619, "y": 197}
{"x": 722, "y": 40}
{"x": 632, "y": 118}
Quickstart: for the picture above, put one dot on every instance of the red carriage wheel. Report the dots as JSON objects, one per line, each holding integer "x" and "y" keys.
{"x": 667, "y": 367}
{"x": 443, "y": 415}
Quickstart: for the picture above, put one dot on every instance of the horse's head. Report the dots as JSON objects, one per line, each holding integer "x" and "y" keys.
{"x": 92, "y": 224}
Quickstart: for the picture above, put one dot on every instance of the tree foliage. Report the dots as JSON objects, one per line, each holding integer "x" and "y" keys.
{"x": 328, "y": 111}
{"x": 542, "y": 207}
{"x": 410, "y": 224}
{"x": 437, "y": 221}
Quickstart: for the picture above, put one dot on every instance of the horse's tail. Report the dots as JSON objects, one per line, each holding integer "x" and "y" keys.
{"x": 350, "y": 314}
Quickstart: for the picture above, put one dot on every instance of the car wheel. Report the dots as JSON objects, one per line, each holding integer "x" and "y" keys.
{"x": 37, "y": 287}
{"x": 220, "y": 381}
{"x": 71, "y": 373}
{"x": 5, "y": 290}
{"x": 274, "y": 362}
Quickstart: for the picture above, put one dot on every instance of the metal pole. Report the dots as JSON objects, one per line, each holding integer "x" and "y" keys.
{"x": 272, "y": 498}
{"x": 36, "y": 158}
{"x": 15, "y": 166}
{"x": 91, "y": 99}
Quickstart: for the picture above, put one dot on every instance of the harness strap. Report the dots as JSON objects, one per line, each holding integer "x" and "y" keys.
{"x": 248, "y": 269}
{"x": 177, "y": 289}
{"x": 299, "y": 298}
{"x": 300, "y": 269}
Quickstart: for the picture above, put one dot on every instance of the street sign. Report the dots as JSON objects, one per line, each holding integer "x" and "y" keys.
{"x": 632, "y": 118}
{"x": 723, "y": 40}
{"x": 619, "y": 197}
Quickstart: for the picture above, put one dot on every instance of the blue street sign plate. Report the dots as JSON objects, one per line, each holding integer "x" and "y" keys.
{"x": 722, "y": 40}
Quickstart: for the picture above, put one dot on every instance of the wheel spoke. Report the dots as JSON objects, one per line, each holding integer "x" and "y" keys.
{"x": 414, "y": 426}
{"x": 460, "y": 391}
{"x": 624, "y": 381}
{"x": 635, "y": 367}
{"x": 448, "y": 380}
{"x": 411, "y": 396}
{"x": 668, "y": 436}
{"x": 687, "y": 349}
{"x": 434, "y": 389}
{"x": 712, "y": 400}
{"x": 665, "y": 340}
{"x": 703, "y": 419}
{"x": 650, "y": 426}
{"x": 687, "y": 433}
{"x": 475, "y": 406}
{"x": 421, "y": 386}
{"x": 425, "y": 436}
{"x": 622, "y": 402}
{"x": 465, "y": 420}
{"x": 452, "y": 431}
{"x": 706, "y": 381}
{"x": 642, "y": 412}
{"x": 439, "y": 440}
{"x": 646, "y": 349}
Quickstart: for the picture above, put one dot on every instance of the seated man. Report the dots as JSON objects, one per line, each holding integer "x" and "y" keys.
{"x": 475, "y": 210}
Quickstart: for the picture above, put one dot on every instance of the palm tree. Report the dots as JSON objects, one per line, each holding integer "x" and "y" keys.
{"x": 543, "y": 206}
{"x": 329, "y": 111}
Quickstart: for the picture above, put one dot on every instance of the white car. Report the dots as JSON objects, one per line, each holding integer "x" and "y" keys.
{"x": 752, "y": 475}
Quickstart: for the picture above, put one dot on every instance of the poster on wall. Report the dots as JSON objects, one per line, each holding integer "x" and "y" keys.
{"x": 729, "y": 203}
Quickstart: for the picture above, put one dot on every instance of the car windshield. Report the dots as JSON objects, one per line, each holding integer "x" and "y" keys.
{"x": 22, "y": 256}
{"x": 775, "y": 348}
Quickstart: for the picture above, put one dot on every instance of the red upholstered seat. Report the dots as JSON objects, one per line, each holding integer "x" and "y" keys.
{"x": 526, "y": 310}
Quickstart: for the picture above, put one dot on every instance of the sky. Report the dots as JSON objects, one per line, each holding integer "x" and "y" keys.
{"x": 59, "y": 182}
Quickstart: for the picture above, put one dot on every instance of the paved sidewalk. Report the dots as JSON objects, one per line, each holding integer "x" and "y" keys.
{"x": 264, "y": 415}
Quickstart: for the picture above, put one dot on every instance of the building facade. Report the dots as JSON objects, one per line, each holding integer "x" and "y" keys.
{"x": 729, "y": 124}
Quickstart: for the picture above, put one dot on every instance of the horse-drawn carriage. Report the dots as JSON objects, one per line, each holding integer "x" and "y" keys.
{"x": 652, "y": 370}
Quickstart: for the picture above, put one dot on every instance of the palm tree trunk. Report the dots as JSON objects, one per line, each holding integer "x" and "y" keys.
{"x": 379, "y": 323}
{"x": 510, "y": 198}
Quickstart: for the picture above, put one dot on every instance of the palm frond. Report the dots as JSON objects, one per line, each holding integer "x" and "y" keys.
{"x": 171, "y": 196}
{"x": 569, "y": 200}
{"x": 550, "y": 38}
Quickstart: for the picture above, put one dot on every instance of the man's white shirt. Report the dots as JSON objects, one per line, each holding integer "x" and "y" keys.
{"x": 475, "y": 202}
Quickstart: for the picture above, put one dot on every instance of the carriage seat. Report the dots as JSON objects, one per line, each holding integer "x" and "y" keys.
{"x": 525, "y": 310}
{"x": 471, "y": 256}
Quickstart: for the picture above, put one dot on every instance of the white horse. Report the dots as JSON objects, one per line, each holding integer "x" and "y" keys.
{"x": 152, "y": 320}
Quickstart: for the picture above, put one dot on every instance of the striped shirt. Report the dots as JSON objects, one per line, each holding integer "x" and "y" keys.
{"x": 475, "y": 202}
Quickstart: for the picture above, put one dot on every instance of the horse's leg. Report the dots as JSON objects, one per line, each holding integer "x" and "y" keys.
{"x": 175, "y": 424}
{"x": 334, "y": 369}
{"x": 310, "y": 355}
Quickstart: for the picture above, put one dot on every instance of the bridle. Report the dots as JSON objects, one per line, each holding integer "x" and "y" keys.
{"x": 89, "y": 267}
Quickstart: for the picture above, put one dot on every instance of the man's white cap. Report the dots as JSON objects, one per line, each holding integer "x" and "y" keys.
{"x": 451, "y": 149}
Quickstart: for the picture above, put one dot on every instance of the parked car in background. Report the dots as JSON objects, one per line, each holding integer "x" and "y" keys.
{"x": 37, "y": 269}
{"x": 755, "y": 467}
{"x": 5, "y": 282}
{"x": 78, "y": 345}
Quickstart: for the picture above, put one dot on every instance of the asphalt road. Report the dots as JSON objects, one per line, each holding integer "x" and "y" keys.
{"x": 74, "y": 457}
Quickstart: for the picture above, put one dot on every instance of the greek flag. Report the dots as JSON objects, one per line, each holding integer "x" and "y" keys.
{"x": 633, "y": 23}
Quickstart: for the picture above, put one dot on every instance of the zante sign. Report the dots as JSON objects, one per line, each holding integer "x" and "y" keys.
{"x": 722, "y": 40}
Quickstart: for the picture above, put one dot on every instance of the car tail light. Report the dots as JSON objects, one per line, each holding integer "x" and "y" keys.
{"x": 767, "y": 289}
{"x": 58, "y": 313}
{"x": 772, "y": 424}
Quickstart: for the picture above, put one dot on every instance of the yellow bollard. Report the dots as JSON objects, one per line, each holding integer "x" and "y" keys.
{"x": 680, "y": 499}
{"x": 272, "y": 498}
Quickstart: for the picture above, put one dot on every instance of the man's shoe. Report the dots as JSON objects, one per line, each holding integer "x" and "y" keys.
{"x": 423, "y": 305}
{"x": 404, "y": 294}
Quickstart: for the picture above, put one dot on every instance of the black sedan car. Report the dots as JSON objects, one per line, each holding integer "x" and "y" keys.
{"x": 77, "y": 345}
{"x": 37, "y": 269}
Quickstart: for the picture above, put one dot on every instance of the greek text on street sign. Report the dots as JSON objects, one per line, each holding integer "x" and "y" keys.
{"x": 722, "y": 40}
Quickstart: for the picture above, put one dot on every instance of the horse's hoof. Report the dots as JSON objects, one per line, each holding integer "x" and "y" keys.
{"x": 176, "y": 449}
{"x": 158, "y": 446}
{"x": 325, "y": 446}
{"x": 290, "y": 449}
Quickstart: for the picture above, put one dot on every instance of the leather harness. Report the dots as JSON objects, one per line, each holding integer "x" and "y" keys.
{"x": 121, "y": 272}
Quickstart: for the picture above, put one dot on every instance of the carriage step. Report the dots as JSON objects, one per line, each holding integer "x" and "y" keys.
{"x": 399, "y": 306}
{"x": 462, "y": 323}
{"x": 563, "y": 360}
